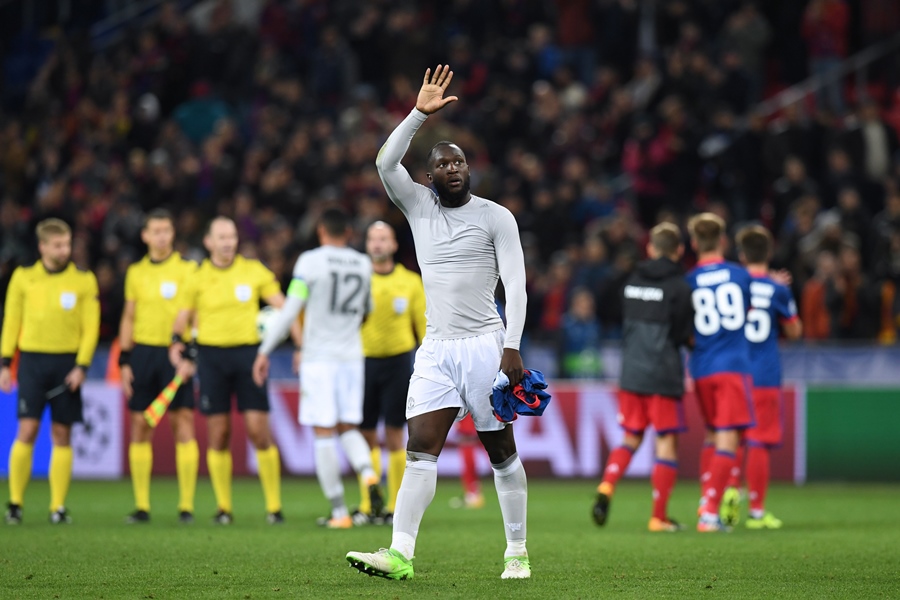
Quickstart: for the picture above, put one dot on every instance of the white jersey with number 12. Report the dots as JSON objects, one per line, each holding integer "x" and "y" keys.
{"x": 338, "y": 280}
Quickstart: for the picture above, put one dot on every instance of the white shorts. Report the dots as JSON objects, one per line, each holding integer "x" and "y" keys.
{"x": 457, "y": 374}
{"x": 331, "y": 392}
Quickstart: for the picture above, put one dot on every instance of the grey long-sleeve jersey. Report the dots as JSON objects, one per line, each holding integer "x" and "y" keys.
{"x": 461, "y": 251}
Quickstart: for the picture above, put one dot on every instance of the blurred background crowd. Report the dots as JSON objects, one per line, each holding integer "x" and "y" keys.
{"x": 591, "y": 120}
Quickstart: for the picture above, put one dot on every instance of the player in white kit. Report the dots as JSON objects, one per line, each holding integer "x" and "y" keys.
{"x": 332, "y": 283}
{"x": 463, "y": 243}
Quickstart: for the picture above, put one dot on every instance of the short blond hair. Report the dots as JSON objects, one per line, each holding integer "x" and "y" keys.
{"x": 665, "y": 238}
{"x": 706, "y": 230}
{"x": 51, "y": 227}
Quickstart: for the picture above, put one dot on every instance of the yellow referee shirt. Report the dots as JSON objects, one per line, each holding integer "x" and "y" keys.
{"x": 52, "y": 313}
{"x": 154, "y": 288}
{"x": 226, "y": 301}
{"x": 397, "y": 321}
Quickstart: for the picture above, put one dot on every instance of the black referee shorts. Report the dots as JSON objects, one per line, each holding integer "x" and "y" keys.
{"x": 227, "y": 371}
{"x": 153, "y": 372}
{"x": 42, "y": 381}
{"x": 387, "y": 381}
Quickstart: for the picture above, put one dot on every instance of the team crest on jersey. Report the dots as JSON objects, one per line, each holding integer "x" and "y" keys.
{"x": 400, "y": 305}
{"x": 168, "y": 289}
{"x": 243, "y": 293}
{"x": 67, "y": 300}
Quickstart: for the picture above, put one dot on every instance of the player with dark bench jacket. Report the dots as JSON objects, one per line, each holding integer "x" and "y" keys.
{"x": 52, "y": 316}
{"x": 658, "y": 321}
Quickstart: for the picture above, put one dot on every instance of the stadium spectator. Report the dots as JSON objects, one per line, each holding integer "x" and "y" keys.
{"x": 94, "y": 131}
{"x": 813, "y": 307}
{"x": 579, "y": 337}
{"x": 825, "y": 26}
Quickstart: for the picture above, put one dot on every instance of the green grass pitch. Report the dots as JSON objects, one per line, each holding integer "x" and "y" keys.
{"x": 839, "y": 541}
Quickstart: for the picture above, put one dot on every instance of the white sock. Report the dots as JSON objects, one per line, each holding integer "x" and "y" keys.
{"x": 512, "y": 491}
{"x": 357, "y": 451}
{"x": 416, "y": 493}
{"x": 328, "y": 470}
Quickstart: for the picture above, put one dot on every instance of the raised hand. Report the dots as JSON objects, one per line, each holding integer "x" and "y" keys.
{"x": 431, "y": 96}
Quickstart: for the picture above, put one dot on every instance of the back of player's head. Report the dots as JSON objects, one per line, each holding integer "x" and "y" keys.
{"x": 158, "y": 214}
{"x": 666, "y": 239}
{"x": 51, "y": 227}
{"x": 755, "y": 244}
{"x": 706, "y": 230}
{"x": 335, "y": 222}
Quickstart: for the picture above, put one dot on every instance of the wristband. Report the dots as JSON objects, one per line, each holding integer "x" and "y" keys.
{"x": 83, "y": 368}
{"x": 125, "y": 358}
{"x": 7, "y": 362}
{"x": 176, "y": 338}
{"x": 191, "y": 351}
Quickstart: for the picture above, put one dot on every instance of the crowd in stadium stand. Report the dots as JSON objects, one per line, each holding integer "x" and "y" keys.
{"x": 570, "y": 117}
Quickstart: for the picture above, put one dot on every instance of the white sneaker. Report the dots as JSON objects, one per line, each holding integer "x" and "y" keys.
{"x": 516, "y": 567}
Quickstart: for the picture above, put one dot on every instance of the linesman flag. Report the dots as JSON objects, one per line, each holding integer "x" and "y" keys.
{"x": 154, "y": 413}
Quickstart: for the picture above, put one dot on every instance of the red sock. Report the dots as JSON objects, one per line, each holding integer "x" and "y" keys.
{"x": 469, "y": 475}
{"x": 663, "y": 480}
{"x": 706, "y": 456}
{"x": 616, "y": 465}
{"x": 719, "y": 472}
{"x": 734, "y": 480}
{"x": 758, "y": 476}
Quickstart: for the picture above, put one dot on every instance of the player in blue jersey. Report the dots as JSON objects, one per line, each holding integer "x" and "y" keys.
{"x": 771, "y": 305}
{"x": 720, "y": 361}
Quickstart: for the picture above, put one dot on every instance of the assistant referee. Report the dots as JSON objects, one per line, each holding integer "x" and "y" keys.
{"x": 52, "y": 315}
{"x": 152, "y": 286}
{"x": 390, "y": 334}
{"x": 223, "y": 297}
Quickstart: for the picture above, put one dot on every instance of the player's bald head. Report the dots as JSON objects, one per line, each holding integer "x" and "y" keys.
{"x": 381, "y": 242}
{"x": 220, "y": 225}
{"x": 382, "y": 228}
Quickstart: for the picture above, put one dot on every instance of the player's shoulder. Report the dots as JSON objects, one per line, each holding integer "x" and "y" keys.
{"x": 405, "y": 273}
{"x": 25, "y": 270}
{"x": 243, "y": 263}
{"x": 491, "y": 208}
{"x": 187, "y": 265}
{"x": 81, "y": 272}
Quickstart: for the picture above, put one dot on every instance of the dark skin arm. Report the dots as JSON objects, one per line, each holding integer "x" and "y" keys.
{"x": 511, "y": 364}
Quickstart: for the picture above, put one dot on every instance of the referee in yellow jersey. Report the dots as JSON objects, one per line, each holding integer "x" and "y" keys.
{"x": 390, "y": 334}
{"x": 52, "y": 315}
{"x": 223, "y": 298}
{"x": 152, "y": 286}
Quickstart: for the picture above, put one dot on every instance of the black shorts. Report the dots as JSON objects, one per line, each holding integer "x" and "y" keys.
{"x": 227, "y": 371}
{"x": 42, "y": 381}
{"x": 387, "y": 381}
{"x": 153, "y": 372}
